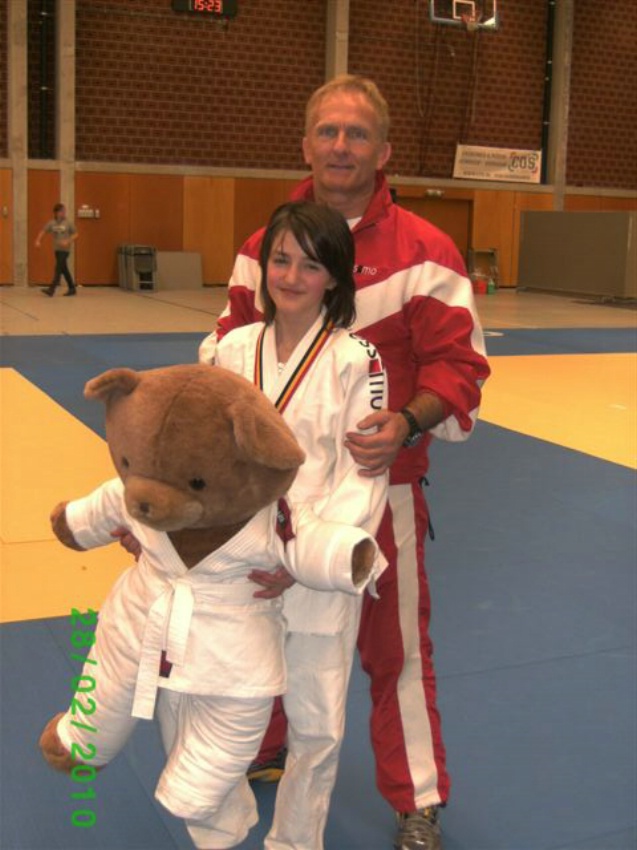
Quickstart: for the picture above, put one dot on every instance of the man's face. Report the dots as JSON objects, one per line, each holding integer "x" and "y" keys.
{"x": 343, "y": 146}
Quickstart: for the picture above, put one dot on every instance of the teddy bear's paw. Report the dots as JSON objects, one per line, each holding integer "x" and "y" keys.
{"x": 61, "y": 527}
{"x": 53, "y": 750}
{"x": 363, "y": 558}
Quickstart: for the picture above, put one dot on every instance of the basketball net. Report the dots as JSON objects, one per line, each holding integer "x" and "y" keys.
{"x": 470, "y": 20}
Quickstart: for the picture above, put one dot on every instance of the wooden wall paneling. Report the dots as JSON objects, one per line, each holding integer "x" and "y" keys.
{"x": 612, "y": 204}
{"x": 6, "y": 226}
{"x": 100, "y": 238}
{"x": 209, "y": 224}
{"x": 451, "y": 215}
{"x": 43, "y": 187}
{"x": 255, "y": 201}
{"x": 582, "y": 203}
{"x": 599, "y": 203}
{"x": 156, "y": 211}
{"x": 525, "y": 201}
{"x": 493, "y": 214}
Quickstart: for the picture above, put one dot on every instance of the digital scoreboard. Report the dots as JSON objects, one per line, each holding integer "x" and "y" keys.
{"x": 216, "y": 8}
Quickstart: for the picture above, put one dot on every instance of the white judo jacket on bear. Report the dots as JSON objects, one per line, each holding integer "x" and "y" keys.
{"x": 211, "y": 635}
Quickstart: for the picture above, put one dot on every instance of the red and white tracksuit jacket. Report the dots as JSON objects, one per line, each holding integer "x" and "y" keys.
{"x": 415, "y": 303}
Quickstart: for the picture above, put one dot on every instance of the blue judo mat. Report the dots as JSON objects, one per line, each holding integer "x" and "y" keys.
{"x": 533, "y": 582}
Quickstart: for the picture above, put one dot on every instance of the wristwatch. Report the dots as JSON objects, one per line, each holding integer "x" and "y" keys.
{"x": 415, "y": 431}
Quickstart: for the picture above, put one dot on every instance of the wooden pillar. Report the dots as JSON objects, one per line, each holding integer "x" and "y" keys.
{"x": 18, "y": 133}
{"x": 560, "y": 100}
{"x": 65, "y": 106}
{"x": 337, "y": 38}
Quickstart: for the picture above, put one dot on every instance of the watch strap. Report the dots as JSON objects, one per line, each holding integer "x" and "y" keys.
{"x": 415, "y": 431}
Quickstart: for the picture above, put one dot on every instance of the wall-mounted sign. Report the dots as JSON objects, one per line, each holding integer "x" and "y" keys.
{"x": 504, "y": 164}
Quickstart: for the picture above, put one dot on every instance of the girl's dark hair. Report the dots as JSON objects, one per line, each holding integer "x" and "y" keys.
{"x": 323, "y": 235}
{"x": 57, "y": 208}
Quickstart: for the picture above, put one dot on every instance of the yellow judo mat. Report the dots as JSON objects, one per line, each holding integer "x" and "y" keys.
{"x": 587, "y": 403}
{"x": 46, "y": 456}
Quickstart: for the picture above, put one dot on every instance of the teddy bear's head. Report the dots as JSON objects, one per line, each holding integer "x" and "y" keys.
{"x": 196, "y": 446}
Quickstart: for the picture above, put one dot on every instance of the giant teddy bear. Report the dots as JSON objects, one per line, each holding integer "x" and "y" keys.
{"x": 204, "y": 461}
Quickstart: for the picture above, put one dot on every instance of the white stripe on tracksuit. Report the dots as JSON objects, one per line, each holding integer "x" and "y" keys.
{"x": 414, "y": 715}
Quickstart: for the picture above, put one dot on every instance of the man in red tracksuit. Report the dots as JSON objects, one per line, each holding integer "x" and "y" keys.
{"x": 414, "y": 303}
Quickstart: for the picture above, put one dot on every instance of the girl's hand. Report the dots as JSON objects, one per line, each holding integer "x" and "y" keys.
{"x": 128, "y": 541}
{"x": 273, "y": 583}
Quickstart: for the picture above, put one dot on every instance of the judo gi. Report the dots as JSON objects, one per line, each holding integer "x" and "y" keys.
{"x": 344, "y": 383}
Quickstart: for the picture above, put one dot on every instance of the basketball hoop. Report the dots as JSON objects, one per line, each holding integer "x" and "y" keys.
{"x": 470, "y": 15}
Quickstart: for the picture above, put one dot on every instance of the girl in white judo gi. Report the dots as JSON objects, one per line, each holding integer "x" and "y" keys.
{"x": 324, "y": 380}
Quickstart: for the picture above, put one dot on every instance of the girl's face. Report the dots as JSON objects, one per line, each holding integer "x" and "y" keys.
{"x": 296, "y": 283}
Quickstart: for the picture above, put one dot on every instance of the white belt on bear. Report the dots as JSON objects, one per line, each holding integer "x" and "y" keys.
{"x": 168, "y": 625}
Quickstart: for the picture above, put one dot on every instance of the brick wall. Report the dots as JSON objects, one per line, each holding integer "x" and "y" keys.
{"x": 602, "y": 147}
{"x": 446, "y": 86}
{"x": 4, "y": 93}
{"x": 159, "y": 87}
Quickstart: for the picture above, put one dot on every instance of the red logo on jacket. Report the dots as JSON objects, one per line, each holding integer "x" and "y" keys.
{"x": 284, "y": 521}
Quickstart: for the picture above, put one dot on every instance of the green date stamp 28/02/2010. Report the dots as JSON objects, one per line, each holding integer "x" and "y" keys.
{"x": 82, "y": 706}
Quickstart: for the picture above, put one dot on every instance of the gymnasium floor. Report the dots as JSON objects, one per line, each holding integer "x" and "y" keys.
{"x": 533, "y": 575}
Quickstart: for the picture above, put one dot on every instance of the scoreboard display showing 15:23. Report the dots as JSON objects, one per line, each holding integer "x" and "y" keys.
{"x": 217, "y": 8}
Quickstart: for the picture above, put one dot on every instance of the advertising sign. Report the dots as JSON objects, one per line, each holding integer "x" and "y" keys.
{"x": 505, "y": 164}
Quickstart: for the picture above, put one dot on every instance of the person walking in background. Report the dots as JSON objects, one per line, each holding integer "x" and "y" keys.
{"x": 415, "y": 304}
{"x": 64, "y": 235}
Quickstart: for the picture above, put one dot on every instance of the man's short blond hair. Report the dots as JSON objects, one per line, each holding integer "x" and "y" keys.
{"x": 351, "y": 83}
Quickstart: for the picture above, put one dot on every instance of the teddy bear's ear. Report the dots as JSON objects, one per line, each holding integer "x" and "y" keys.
{"x": 264, "y": 438}
{"x": 112, "y": 383}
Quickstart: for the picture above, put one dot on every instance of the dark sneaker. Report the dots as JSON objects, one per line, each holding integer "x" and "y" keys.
{"x": 69, "y": 292}
{"x": 419, "y": 830}
{"x": 268, "y": 771}
{"x": 48, "y": 290}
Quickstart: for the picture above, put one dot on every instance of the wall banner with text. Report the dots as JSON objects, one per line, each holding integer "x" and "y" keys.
{"x": 514, "y": 166}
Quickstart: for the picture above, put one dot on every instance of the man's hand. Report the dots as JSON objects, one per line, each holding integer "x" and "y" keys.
{"x": 274, "y": 583}
{"x": 376, "y": 452}
{"x": 128, "y": 541}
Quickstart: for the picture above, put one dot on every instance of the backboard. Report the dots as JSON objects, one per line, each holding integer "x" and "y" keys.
{"x": 470, "y": 14}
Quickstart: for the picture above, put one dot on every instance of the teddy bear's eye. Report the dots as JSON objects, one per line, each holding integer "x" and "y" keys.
{"x": 197, "y": 484}
{"x": 125, "y": 462}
